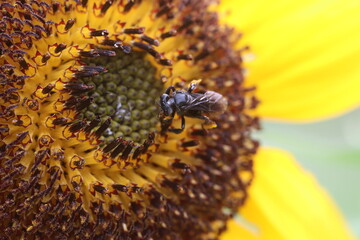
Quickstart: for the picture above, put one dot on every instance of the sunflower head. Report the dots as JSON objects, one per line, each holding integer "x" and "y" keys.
{"x": 85, "y": 152}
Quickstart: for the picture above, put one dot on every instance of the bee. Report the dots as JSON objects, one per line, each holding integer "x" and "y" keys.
{"x": 189, "y": 104}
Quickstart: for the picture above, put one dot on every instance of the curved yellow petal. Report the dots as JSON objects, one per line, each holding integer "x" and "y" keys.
{"x": 285, "y": 203}
{"x": 307, "y": 55}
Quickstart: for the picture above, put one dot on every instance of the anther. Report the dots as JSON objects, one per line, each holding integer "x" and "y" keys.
{"x": 60, "y": 47}
{"x": 99, "y": 33}
{"x": 42, "y": 20}
{"x": 202, "y": 55}
{"x": 98, "y": 69}
{"x": 15, "y": 159}
{"x": 174, "y": 186}
{"x": 168, "y": 34}
{"x": 120, "y": 187}
{"x": 111, "y": 145}
{"x": 40, "y": 155}
{"x": 69, "y": 24}
{"x": 8, "y": 91}
{"x": 106, "y": 6}
{"x": 48, "y": 88}
{"x": 89, "y": 71}
{"x": 148, "y": 142}
{"x": 99, "y": 189}
{"x": 59, "y": 121}
{"x": 187, "y": 22}
{"x": 103, "y": 127}
{"x": 84, "y": 3}
{"x": 127, "y": 151}
{"x": 140, "y": 30}
{"x": 112, "y": 43}
{"x": 36, "y": 34}
{"x": 77, "y": 126}
{"x": 84, "y": 103}
{"x": 185, "y": 57}
{"x": 23, "y": 63}
{"x": 97, "y": 53}
{"x": 67, "y": 7}
{"x": 150, "y": 40}
{"x": 128, "y": 6}
{"x": 45, "y": 57}
{"x": 5, "y": 37}
{"x": 137, "y": 152}
{"x": 163, "y": 10}
{"x": 77, "y": 88}
{"x": 180, "y": 165}
{"x": 39, "y": 29}
{"x": 135, "y": 189}
{"x": 93, "y": 124}
{"x": 71, "y": 102}
{"x": 198, "y": 132}
{"x": 190, "y": 143}
{"x": 119, "y": 149}
{"x": 150, "y": 49}
{"x": 165, "y": 62}
{"x": 20, "y": 137}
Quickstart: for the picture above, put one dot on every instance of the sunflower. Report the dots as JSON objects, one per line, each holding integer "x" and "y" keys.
{"x": 86, "y": 151}
{"x": 305, "y": 69}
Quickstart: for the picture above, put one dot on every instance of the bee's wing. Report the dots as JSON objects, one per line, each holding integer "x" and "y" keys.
{"x": 210, "y": 101}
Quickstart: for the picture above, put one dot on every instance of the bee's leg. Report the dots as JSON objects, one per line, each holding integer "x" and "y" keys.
{"x": 178, "y": 130}
{"x": 167, "y": 91}
{"x": 165, "y": 124}
{"x": 192, "y": 87}
{"x": 205, "y": 118}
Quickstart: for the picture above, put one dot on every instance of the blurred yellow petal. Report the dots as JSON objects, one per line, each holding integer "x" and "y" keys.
{"x": 307, "y": 55}
{"x": 285, "y": 202}
{"x": 236, "y": 231}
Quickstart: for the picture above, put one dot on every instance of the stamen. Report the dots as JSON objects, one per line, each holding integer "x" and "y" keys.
{"x": 185, "y": 57}
{"x": 140, "y": 30}
{"x": 95, "y": 122}
{"x": 111, "y": 145}
{"x": 60, "y": 47}
{"x": 171, "y": 33}
{"x": 129, "y": 5}
{"x": 150, "y": 40}
{"x": 48, "y": 88}
{"x": 150, "y": 49}
{"x": 163, "y": 10}
{"x": 106, "y": 6}
{"x": 99, "y": 33}
{"x": 77, "y": 126}
{"x": 69, "y": 24}
{"x": 45, "y": 57}
{"x": 60, "y": 121}
{"x": 103, "y": 127}
{"x": 84, "y": 103}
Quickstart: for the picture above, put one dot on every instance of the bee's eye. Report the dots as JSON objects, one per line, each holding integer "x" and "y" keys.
{"x": 169, "y": 111}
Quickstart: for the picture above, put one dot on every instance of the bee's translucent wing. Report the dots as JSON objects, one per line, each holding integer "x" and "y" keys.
{"x": 210, "y": 101}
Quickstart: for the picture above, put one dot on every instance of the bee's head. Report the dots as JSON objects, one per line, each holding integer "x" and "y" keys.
{"x": 166, "y": 104}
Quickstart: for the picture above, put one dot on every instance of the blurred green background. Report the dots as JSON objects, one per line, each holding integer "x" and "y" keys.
{"x": 331, "y": 151}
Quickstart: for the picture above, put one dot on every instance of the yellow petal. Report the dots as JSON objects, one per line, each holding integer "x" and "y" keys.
{"x": 307, "y": 55}
{"x": 285, "y": 202}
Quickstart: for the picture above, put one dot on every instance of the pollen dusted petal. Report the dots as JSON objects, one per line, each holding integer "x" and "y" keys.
{"x": 310, "y": 72}
{"x": 287, "y": 204}
{"x": 67, "y": 172}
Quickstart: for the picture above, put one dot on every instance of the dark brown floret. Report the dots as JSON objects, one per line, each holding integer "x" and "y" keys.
{"x": 59, "y": 178}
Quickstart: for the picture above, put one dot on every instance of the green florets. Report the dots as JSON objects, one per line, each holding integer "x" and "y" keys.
{"x": 128, "y": 93}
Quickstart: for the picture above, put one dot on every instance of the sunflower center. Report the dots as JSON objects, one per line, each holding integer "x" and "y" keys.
{"x": 128, "y": 93}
